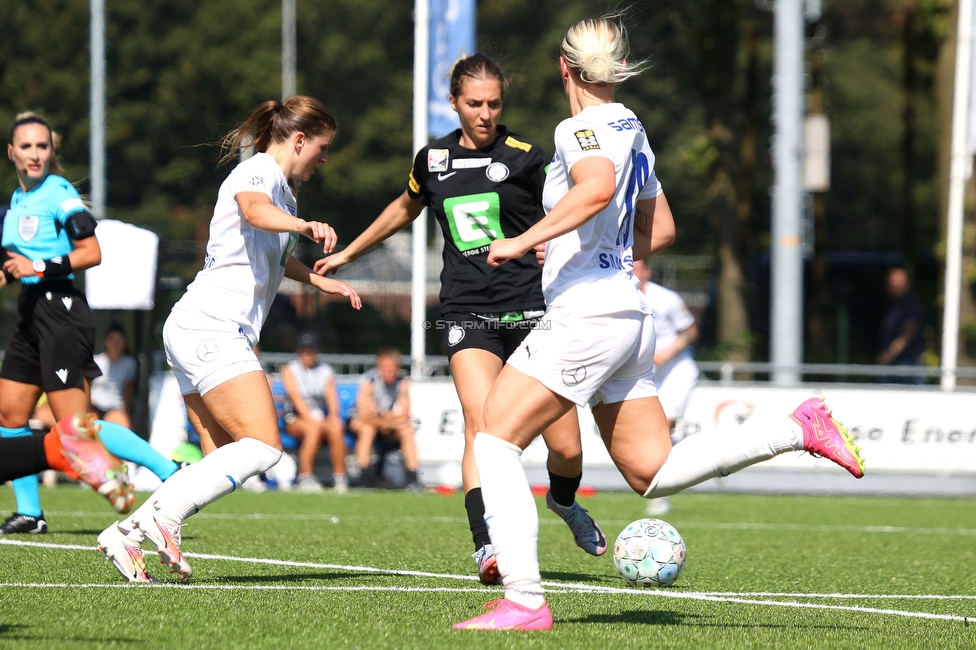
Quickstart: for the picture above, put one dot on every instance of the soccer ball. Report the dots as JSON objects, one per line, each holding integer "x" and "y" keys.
{"x": 649, "y": 553}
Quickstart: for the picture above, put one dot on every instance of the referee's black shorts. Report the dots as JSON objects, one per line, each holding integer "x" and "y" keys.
{"x": 54, "y": 343}
{"x": 464, "y": 330}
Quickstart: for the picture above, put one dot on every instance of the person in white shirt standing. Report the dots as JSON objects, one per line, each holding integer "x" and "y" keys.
{"x": 675, "y": 372}
{"x": 211, "y": 333}
{"x": 595, "y": 345}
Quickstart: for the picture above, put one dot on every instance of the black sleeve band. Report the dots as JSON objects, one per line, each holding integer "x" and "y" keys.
{"x": 56, "y": 266}
{"x": 81, "y": 225}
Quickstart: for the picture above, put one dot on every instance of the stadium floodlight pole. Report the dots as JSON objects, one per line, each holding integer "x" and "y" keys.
{"x": 96, "y": 117}
{"x": 786, "y": 267}
{"x": 289, "y": 50}
{"x": 418, "y": 284}
{"x": 959, "y": 171}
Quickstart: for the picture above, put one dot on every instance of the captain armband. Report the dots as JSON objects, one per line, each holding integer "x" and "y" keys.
{"x": 80, "y": 225}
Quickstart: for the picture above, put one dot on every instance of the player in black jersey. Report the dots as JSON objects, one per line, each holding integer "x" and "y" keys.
{"x": 482, "y": 182}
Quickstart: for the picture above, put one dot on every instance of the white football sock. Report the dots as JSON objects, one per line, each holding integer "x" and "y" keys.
{"x": 703, "y": 456}
{"x": 219, "y": 473}
{"x": 512, "y": 518}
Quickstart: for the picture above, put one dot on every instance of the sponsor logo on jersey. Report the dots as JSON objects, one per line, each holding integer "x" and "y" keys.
{"x": 27, "y": 227}
{"x": 611, "y": 261}
{"x": 626, "y": 124}
{"x": 412, "y": 183}
{"x": 444, "y": 177}
{"x": 256, "y": 180}
{"x": 474, "y": 220}
{"x": 497, "y": 172}
{"x": 518, "y": 144}
{"x": 292, "y": 209}
{"x": 587, "y": 140}
{"x": 207, "y": 351}
{"x": 470, "y": 163}
{"x": 455, "y": 335}
{"x": 573, "y": 375}
{"x": 437, "y": 160}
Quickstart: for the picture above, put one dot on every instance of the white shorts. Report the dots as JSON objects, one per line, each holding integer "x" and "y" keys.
{"x": 206, "y": 354}
{"x": 674, "y": 387}
{"x": 591, "y": 358}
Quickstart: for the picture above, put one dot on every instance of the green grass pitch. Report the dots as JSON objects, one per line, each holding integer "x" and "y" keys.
{"x": 392, "y": 570}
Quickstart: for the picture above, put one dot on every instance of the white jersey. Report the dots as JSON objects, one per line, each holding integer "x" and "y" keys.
{"x": 592, "y": 264}
{"x": 108, "y": 391}
{"x": 311, "y": 383}
{"x": 671, "y": 317}
{"x": 244, "y": 266}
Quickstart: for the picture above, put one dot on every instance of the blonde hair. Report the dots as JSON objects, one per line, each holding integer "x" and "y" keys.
{"x": 54, "y": 166}
{"x": 596, "y": 50}
{"x": 275, "y": 121}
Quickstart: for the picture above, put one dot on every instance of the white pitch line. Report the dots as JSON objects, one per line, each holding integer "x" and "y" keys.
{"x": 177, "y": 585}
{"x": 845, "y": 608}
{"x": 547, "y": 521}
{"x": 773, "y": 594}
{"x": 554, "y": 587}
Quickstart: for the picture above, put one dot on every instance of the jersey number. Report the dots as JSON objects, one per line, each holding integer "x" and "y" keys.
{"x": 640, "y": 172}
{"x": 474, "y": 220}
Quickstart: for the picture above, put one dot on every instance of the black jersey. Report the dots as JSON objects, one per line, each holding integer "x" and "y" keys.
{"x": 478, "y": 195}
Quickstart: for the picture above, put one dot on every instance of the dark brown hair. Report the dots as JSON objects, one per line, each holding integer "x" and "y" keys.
{"x": 476, "y": 66}
{"x": 273, "y": 122}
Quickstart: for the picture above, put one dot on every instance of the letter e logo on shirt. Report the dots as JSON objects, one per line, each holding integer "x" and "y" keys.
{"x": 474, "y": 220}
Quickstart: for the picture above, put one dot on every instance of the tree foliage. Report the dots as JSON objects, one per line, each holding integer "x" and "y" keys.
{"x": 183, "y": 72}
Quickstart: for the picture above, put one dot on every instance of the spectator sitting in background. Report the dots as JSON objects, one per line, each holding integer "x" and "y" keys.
{"x": 315, "y": 416}
{"x": 111, "y": 394}
{"x": 383, "y": 408}
{"x": 902, "y": 340}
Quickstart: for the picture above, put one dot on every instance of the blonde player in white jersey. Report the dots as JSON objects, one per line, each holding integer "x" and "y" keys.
{"x": 211, "y": 333}
{"x": 596, "y": 344}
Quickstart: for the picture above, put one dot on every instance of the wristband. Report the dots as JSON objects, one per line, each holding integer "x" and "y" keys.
{"x": 56, "y": 266}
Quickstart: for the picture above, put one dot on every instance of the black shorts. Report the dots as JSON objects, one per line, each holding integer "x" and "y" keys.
{"x": 55, "y": 338}
{"x": 464, "y": 330}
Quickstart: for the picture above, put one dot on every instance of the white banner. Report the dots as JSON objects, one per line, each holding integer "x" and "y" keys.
{"x": 905, "y": 430}
{"x": 916, "y": 430}
{"x": 126, "y": 278}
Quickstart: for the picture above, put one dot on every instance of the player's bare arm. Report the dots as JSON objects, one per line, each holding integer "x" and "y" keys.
{"x": 296, "y": 270}
{"x": 655, "y": 222}
{"x": 594, "y": 187}
{"x": 402, "y": 211}
{"x": 259, "y": 212}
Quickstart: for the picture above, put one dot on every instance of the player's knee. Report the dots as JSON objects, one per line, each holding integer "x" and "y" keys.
{"x": 265, "y": 456}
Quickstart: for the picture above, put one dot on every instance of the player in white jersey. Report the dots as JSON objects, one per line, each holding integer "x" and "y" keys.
{"x": 210, "y": 335}
{"x": 675, "y": 372}
{"x": 675, "y": 331}
{"x": 597, "y": 345}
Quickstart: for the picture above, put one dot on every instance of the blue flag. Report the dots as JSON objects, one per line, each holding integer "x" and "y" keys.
{"x": 452, "y": 26}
